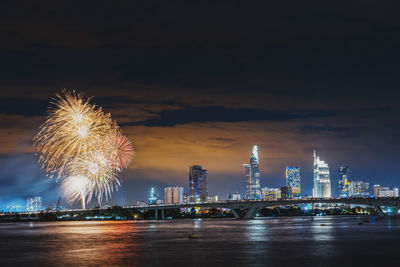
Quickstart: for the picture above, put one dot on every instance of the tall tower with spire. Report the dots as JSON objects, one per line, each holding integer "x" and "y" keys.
{"x": 322, "y": 181}
{"x": 253, "y": 188}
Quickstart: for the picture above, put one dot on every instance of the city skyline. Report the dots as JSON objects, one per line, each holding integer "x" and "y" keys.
{"x": 208, "y": 90}
{"x": 352, "y": 188}
{"x": 254, "y": 156}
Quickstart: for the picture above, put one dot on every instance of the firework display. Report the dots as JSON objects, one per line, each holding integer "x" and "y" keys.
{"x": 81, "y": 145}
{"x": 99, "y": 170}
{"x": 75, "y": 188}
{"x": 119, "y": 149}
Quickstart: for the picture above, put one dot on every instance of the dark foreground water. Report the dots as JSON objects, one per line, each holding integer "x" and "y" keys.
{"x": 291, "y": 241}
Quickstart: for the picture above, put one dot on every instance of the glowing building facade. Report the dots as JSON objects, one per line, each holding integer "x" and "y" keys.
{"x": 344, "y": 183}
{"x": 380, "y": 191}
{"x": 153, "y": 197}
{"x": 322, "y": 181}
{"x": 253, "y": 188}
{"x": 271, "y": 193}
{"x": 198, "y": 186}
{"x": 234, "y": 196}
{"x": 358, "y": 189}
{"x": 173, "y": 195}
{"x": 293, "y": 180}
{"x": 34, "y": 204}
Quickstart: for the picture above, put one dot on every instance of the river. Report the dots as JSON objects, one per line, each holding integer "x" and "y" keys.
{"x": 275, "y": 241}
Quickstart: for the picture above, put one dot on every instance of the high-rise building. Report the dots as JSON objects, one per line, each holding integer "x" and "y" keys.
{"x": 186, "y": 198}
{"x": 322, "y": 181}
{"x": 271, "y": 193}
{"x": 358, "y": 189}
{"x": 376, "y": 189}
{"x": 253, "y": 188}
{"x": 34, "y": 204}
{"x": 286, "y": 192}
{"x": 234, "y": 196}
{"x": 153, "y": 197}
{"x": 395, "y": 192}
{"x": 173, "y": 195}
{"x": 293, "y": 180}
{"x": 198, "y": 186}
{"x": 343, "y": 177}
{"x": 385, "y": 192}
{"x": 212, "y": 198}
{"x": 380, "y": 191}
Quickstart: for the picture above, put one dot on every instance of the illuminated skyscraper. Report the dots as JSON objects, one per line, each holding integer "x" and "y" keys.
{"x": 322, "y": 181}
{"x": 293, "y": 180}
{"x": 343, "y": 175}
{"x": 153, "y": 197}
{"x": 198, "y": 186}
{"x": 253, "y": 188}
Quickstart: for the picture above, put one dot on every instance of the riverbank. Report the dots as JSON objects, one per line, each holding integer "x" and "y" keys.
{"x": 120, "y": 214}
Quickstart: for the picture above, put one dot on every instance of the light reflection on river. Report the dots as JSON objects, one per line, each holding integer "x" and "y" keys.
{"x": 284, "y": 241}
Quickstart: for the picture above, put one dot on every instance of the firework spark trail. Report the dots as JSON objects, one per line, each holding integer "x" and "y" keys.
{"x": 119, "y": 150}
{"x": 99, "y": 170}
{"x": 73, "y": 127}
{"x": 76, "y": 188}
{"x": 84, "y": 147}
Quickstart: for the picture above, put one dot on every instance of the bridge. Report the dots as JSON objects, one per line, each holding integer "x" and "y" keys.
{"x": 247, "y": 209}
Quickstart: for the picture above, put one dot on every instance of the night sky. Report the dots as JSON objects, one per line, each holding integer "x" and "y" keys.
{"x": 201, "y": 83}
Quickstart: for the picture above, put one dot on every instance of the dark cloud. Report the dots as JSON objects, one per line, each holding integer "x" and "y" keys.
{"x": 25, "y": 106}
{"x": 324, "y": 129}
{"x": 223, "y": 114}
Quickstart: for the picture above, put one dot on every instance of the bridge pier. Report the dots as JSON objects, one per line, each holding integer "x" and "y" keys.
{"x": 394, "y": 213}
{"x": 235, "y": 213}
{"x": 277, "y": 210}
{"x": 162, "y": 214}
{"x": 239, "y": 213}
{"x": 251, "y": 213}
{"x": 155, "y": 214}
{"x": 379, "y": 211}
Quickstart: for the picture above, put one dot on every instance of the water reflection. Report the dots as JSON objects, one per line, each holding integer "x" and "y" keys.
{"x": 197, "y": 223}
{"x": 322, "y": 234}
{"x": 321, "y": 229}
{"x": 94, "y": 243}
{"x": 257, "y": 230}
